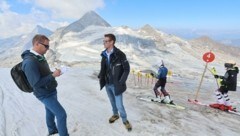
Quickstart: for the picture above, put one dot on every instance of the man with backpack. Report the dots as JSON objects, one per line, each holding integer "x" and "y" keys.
{"x": 228, "y": 82}
{"x": 43, "y": 83}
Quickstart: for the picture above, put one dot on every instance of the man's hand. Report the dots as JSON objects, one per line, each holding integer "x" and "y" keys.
{"x": 56, "y": 73}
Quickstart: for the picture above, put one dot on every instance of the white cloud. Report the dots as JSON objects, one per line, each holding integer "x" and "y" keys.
{"x": 71, "y": 9}
{"x": 12, "y": 23}
{"x": 4, "y": 6}
{"x": 46, "y": 13}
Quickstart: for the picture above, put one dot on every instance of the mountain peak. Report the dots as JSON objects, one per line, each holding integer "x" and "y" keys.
{"x": 148, "y": 28}
{"x": 39, "y": 27}
{"x": 206, "y": 40}
{"x": 27, "y": 40}
{"x": 149, "y": 31}
{"x": 41, "y": 30}
{"x": 90, "y": 18}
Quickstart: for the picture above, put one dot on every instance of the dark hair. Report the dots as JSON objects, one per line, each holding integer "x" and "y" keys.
{"x": 111, "y": 37}
{"x": 39, "y": 38}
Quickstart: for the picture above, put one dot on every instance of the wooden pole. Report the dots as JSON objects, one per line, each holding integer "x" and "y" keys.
{"x": 201, "y": 81}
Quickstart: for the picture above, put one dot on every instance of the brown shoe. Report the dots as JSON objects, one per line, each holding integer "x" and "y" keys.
{"x": 128, "y": 126}
{"x": 113, "y": 118}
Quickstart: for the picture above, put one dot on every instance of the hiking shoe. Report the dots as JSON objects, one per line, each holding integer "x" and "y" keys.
{"x": 113, "y": 118}
{"x": 128, "y": 126}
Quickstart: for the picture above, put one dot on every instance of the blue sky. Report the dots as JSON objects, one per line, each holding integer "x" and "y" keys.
{"x": 21, "y": 16}
{"x": 193, "y": 14}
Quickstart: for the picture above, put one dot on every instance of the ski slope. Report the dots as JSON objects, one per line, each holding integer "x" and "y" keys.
{"x": 88, "y": 109}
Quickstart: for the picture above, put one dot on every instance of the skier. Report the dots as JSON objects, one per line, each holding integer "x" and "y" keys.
{"x": 228, "y": 83}
{"x": 162, "y": 79}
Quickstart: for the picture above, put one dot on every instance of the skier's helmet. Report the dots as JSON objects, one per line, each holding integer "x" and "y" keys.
{"x": 230, "y": 64}
{"x": 161, "y": 65}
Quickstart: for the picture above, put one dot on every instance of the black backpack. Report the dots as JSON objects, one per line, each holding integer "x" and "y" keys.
{"x": 232, "y": 79}
{"x": 20, "y": 78}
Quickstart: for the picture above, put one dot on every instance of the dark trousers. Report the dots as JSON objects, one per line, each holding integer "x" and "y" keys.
{"x": 160, "y": 83}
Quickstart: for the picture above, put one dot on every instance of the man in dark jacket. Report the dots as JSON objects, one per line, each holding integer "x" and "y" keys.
{"x": 43, "y": 82}
{"x": 228, "y": 82}
{"x": 113, "y": 75}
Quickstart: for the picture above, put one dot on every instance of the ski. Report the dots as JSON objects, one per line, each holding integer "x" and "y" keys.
{"x": 197, "y": 102}
{"x": 208, "y": 105}
{"x": 234, "y": 112}
{"x": 157, "y": 100}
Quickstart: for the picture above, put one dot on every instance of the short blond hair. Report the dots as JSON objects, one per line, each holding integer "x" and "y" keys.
{"x": 39, "y": 38}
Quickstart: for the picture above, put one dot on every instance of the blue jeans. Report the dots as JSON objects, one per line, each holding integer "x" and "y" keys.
{"x": 54, "y": 108}
{"x": 116, "y": 102}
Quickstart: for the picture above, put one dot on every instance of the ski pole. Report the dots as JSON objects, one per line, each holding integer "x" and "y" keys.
{"x": 214, "y": 74}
